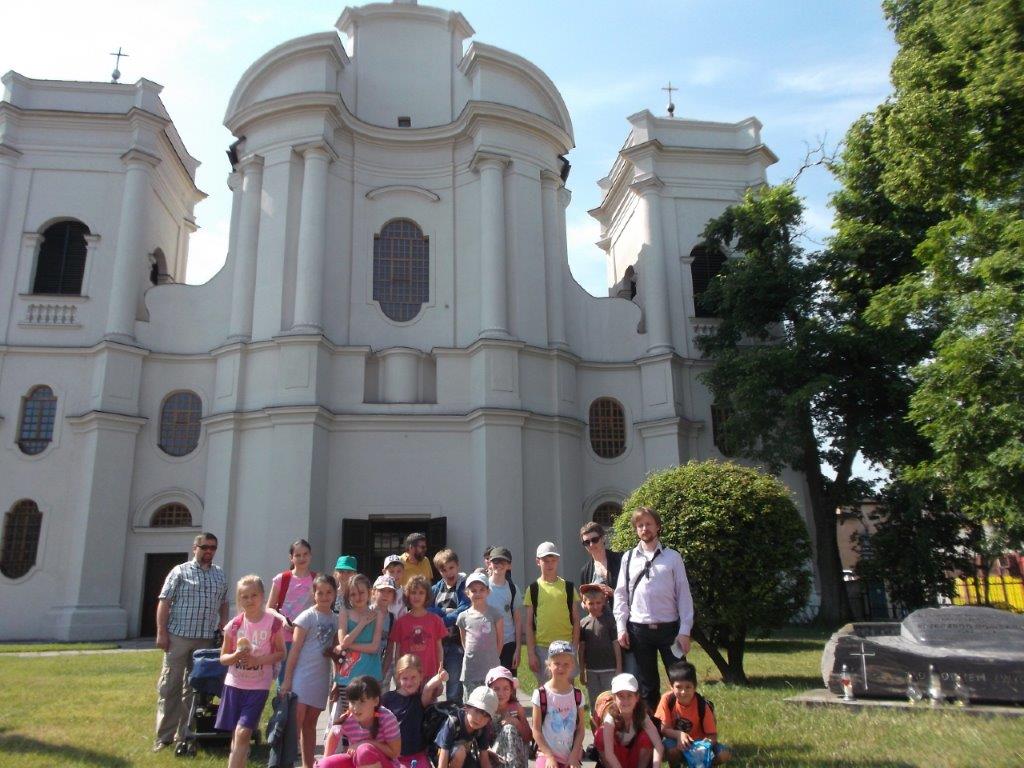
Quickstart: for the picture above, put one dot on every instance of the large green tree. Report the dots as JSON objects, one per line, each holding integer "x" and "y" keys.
{"x": 953, "y": 145}
{"x": 745, "y": 548}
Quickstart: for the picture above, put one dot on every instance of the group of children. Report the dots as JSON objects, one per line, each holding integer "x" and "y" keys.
{"x": 365, "y": 636}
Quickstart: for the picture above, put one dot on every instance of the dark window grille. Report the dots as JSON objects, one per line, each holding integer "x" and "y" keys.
{"x": 401, "y": 269}
{"x": 607, "y": 428}
{"x": 61, "y": 263}
{"x": 38, "y": 413}
{"x": 22, "y": 525}
{"x": 719, "y": 416}
{"x": 172, "y": 516}
{"x": 179, "y": 423}
{"x": 606, "y": 513}
{"x": 703, "y": 269}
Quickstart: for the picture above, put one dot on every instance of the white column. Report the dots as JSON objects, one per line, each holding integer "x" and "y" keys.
{"x": 653, "y": 277}
{"x": 8, "y": 158}
{"x": 493, "y": 258}
{"x": 309, "y": 276}
{"x": 130, "y": 262}
{"x": 244, "y": 283}
{"x": 554, "y": 257}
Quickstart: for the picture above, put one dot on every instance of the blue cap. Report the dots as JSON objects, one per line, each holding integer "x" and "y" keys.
{"x": 346, "y": 563}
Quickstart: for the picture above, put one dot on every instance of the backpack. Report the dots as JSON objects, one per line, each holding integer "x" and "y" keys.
{"x": 535, "y": 594}
{"x": 702, "y": 706}
{"x": 434, "y": 718}
{"x": 286, "y": 579}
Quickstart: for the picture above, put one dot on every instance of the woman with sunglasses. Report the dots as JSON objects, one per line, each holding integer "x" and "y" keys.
{"x": 603, "y": 565}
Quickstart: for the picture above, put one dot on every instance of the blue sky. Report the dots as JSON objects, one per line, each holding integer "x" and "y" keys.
{"x": 805, "y": 69}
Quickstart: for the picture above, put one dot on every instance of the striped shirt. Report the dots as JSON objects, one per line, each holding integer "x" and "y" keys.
{"x": 196, "y": 595}
{"x": 355, "y": 734}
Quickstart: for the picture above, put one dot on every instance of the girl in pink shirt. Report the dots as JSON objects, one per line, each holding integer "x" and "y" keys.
{"x": 372, "y": 731}
{"x": 291, "y": 592}
{"x": 418, "y": 632}
{"x": 253, "y": 644}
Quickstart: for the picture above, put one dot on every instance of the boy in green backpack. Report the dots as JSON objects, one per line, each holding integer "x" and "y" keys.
{"x": 552, "y": 612}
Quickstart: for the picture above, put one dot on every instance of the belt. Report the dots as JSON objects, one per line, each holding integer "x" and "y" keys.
{"x": 651, "y": 625}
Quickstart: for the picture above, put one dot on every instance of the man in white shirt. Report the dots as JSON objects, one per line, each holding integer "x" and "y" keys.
{"x": 653, "y": 606}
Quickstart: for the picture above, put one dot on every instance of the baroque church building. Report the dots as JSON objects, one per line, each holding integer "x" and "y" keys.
{"x": 394, "y": 343}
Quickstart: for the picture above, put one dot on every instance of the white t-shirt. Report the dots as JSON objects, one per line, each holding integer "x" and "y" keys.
{"x": 559, "y": 727}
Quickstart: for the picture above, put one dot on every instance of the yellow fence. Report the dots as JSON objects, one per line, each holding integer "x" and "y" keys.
{"x": 1003, "y": 592}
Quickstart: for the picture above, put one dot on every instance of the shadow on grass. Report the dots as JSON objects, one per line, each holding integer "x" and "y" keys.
{"x": 797, "y": 683}
{"x": 783, "y": 646}
{"x": 59, "y": 754}
{"x": 796, "y": 755}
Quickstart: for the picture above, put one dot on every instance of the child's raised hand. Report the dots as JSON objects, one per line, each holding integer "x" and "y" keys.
{"x": 442, "y": 675}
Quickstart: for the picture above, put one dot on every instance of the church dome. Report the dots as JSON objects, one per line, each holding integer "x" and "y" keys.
{"x": 406, "y": 67}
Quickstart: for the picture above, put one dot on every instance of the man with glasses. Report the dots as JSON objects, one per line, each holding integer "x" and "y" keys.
{"x": 192, "y": 608}
{"x": 653, "y": 606}
{"x": 415, "y": 559}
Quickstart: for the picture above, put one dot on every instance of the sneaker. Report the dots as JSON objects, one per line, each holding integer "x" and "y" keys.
{"x": 158, "y": 745}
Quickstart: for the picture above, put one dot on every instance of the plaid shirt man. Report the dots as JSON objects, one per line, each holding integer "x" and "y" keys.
{"x": 195, "y": 595}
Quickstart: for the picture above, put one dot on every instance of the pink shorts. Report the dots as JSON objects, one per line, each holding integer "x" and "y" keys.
{"x": 365, "y": 754}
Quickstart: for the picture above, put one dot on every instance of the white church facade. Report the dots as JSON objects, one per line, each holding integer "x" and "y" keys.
{"x": 394, "y": 343}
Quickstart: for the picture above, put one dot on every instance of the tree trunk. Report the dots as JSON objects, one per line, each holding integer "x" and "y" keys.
{"x": 835, "y": 603}
{"x": 731, "y": 667}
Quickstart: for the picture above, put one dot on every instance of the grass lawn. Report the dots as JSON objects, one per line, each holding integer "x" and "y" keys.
{"x": 98, "y": 711}
{"x": 40, "y": 647}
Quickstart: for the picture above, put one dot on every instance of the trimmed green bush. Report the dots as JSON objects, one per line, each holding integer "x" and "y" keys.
{"x": 745, "y": 546}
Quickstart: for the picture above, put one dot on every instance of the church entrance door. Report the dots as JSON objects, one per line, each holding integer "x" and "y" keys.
{"x": 374, "y": 539}
{"x": 158, "y": 564}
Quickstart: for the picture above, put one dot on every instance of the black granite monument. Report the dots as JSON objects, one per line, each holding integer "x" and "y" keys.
{"x": 984, "y": 646}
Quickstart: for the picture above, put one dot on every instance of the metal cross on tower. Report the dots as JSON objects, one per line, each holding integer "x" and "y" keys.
{"x": 116, "y": 74}
{"x": 671, "y": 106}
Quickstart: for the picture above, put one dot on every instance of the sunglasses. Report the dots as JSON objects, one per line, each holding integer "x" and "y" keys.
{"x": 207, "y": 547}
{"x": 592, "y": 541}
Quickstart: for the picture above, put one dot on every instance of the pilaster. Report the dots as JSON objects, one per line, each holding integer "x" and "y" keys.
{"x": 244, "y": 282}
{"x": 653, "y": 276}
{"x": 309, "y": 276}
{"x": 493, "y": 255}
{"x": 554, "y": 259}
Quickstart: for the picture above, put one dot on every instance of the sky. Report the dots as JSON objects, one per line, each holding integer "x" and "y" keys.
{"x": 805, "y": 69}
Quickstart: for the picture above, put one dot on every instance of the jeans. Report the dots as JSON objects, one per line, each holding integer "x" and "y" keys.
{"x": 452, "y": 663}
{"x": 646, "y": 645}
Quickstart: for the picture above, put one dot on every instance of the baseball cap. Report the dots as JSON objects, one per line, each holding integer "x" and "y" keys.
{"x": 500, "y": 673}
{"x": 591, "y": 588}
{"x": 345, "y": 563}
{"x": 548, "y": 548}
{"x": 384, "y": 582}
{"x": 625, "y": 682}
{"x": 560, "y": 646}
{"x": 484, "y": 699}
{"x": 500, "y": 553}
{"x": 477, "y": 578}
{"x": 393, "y": 559}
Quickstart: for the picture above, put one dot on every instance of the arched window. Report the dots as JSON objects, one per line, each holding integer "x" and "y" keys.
{"x": 401, "y": 269}
{"x": 607, "y": 428}
{"x": 179, "y": 423}
{"x": 61, "y": 263}
{"x": 606, "y": 513}
{"x": 171, "y": 516}
{"x": 38, "y": 412}
{"x": 705, "y": 265}
{"x": 22, "y": 525}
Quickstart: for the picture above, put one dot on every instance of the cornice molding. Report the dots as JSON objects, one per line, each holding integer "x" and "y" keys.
{"x": 393, "y": 189}
{"x": 136, "y": 155}
{"x": 484, "y": 157}
{"x": 115, "y": 422}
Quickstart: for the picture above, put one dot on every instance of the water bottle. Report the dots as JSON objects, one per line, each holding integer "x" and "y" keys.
{"x": 847, "y": 683}
{"x": 934, "y": 686}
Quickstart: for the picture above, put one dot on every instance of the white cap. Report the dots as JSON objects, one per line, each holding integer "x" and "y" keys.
{"x": 484, "y": 699}
{"x": 384, "y": 582}
{"x": 477, "y": 578}
{"x": 548, "y": 548}
{"x": 393, "y": 559}
{"x": 625, "y": 682}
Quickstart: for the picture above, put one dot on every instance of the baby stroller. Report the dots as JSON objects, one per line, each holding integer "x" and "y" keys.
{"x": 207, "y": 684}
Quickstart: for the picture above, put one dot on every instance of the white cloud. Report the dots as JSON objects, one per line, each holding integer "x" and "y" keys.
{"x": 870, "y": 76}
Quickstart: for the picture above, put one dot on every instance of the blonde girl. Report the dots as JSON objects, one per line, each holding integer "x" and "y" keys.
{"x": 408, "y": 703}
{"x": 359, "y": 630}
{"x": 253, "y": 644}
